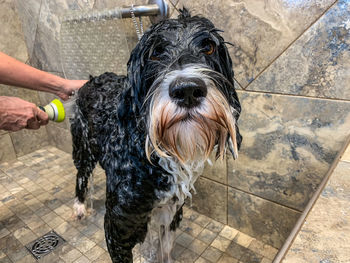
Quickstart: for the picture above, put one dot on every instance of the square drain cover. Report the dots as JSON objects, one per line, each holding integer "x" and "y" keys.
{"x": 45, "y": 244}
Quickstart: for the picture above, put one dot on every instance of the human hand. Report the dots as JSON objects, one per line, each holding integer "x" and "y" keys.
{"x": 69, "y": 87}
{"x": 17, "y": 114}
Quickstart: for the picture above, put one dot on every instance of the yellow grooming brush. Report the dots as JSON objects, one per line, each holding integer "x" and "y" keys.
{"x": 55, "y": 110}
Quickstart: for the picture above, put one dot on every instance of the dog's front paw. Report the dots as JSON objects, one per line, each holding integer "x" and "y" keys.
{"x": 79, "y": 210}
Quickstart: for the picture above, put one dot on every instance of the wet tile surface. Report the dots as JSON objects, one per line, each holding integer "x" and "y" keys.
{"x": 259, "y": 30}
{"x": 37, "y": 195}
{"x": 287, "y": 150}
{"x": 317, "y": 64}
{"x": 216, "y": 205}
{"x": 269, "y": 221}
{"x": 325, "y": 236}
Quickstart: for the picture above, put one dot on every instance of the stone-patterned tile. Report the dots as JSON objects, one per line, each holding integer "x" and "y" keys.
{"x": 94, "y": 253}
{"x": 197, "y": 246}
{"x": 215, "y": 226}
{"x": 189, "y": 214}
{"x": 266, "y": 260}
{"x": 104, "y": 258}
{"x": 207, "y": 236}
{"x": 187, "y": 256}
{"x": 7, "y": 152}
{"x": 27, "y": 141}
{"x": 212, "y": 254}
{"x": 12, "y": 32}
{"x": 227, "y": 259}
{"x": 202, "y": 260}
{"x": 260, "y": 218}
{"x": 61, "y": 138}
{"x": 221, "y": 243}
{"x": 69, "y": 254}
{"x": 82, "y": 259}
{"x": 211, "y": 199}
{"x": 286, "y": 150}
{"x": 317, "y": 64}
{"x": 228, "y": 232}
{"x": 28, "y": 12}
{"x": 256, "y": 26}
{"x": 18, "y": 254}
{"x": 202, "y": 220}
{"x": 325, "y": 235}
{"x": 346, "y": 155}
{"x": 237, "y": 251}
{"x": 177, "y": 251}
{"x": 216, "y": 170}
{"x": 184, "y": 239}
{"x": 243, "y": 239}
{"x": 27, "y": 259}
{"x": 190, "y": 228}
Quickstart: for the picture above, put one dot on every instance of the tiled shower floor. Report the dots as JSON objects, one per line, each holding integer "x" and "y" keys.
{"x": 37, "y": 194}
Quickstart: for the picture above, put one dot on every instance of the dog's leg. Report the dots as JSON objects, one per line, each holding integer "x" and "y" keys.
{"x": 122, "y": 234}
{"x": 84, "y": 161}
{"x": 167, "y": 238}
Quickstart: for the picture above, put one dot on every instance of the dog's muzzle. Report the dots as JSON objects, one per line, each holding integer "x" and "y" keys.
{"x": 187, "y": 92}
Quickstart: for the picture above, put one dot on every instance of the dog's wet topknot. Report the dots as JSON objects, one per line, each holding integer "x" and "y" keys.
{"x": 184, "y": 13}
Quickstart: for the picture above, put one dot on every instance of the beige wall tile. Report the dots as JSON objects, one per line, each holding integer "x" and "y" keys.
{"x": 27, "y": 141}
{"x": 211, "y": 199}
{"x": 259, "y": 218}
{"x": 7, "y": 152}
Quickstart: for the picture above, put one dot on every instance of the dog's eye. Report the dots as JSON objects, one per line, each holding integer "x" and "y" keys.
{"x": 156, "y": 53}
{"x": 208, "y": 47}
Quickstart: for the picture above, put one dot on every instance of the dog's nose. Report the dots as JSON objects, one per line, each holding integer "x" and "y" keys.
{"x": 188, "y": 92}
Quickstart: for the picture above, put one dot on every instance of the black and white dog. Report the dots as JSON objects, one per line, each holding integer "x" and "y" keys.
{"x": 153, "y": 130}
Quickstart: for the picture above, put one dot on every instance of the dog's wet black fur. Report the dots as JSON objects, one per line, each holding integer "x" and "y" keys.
{"x": 110, "y": 125}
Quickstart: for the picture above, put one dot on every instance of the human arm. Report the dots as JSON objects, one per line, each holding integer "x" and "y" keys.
{"x": 16, "y": 73}
{"x": 17, "y": 114}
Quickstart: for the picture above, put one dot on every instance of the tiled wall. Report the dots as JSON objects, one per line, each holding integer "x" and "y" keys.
{"x": 12, "y": 42}
{"x": 291, "y": 63}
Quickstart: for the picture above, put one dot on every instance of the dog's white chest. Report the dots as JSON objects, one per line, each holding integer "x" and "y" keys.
{"x": 160, "y": 239}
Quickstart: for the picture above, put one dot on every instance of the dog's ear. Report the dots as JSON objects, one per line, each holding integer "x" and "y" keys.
{"x": 184, "y": 13}
{"x": 227, "y": 71}
{"x": 135, "y": 70}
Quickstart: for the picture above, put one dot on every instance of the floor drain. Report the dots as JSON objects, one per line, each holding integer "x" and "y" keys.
{"x": 45, "y": 244}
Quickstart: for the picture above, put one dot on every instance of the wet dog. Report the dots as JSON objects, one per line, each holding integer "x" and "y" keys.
{"x": 153, "y": 130}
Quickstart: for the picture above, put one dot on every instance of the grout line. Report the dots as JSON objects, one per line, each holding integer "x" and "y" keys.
{"x": 302, "y": 219}
{"x": 295, "y": 95}
{"x": 297, "y": 38}
{"x": 247, "y": 192}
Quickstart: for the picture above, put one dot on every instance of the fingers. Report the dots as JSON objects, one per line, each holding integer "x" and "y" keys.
{"x": 17, "y": 114}
{"x": 42, "y": 117}
{"x": 38, "y": 119}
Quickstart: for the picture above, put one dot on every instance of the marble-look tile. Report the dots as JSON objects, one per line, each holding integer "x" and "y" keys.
{"x": 259, "y": 218}
{"x": 24, "y": 94}
{"x": 27, "y": 141}
{"x": 346, "y": 155}
{"x": 217, "y": 170}
{"x": 60, "y": 137}
{"x": 286, "y": 149}
{"x": 325, "y": 237}
{"x": 259, "y": 30}
{"x": 211, "y": 199}
{"x": 28, "y": 12}
{"x": 7, "y": 152}
{"x": 11, "y": 35}
{"x": 317, "y": 64}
